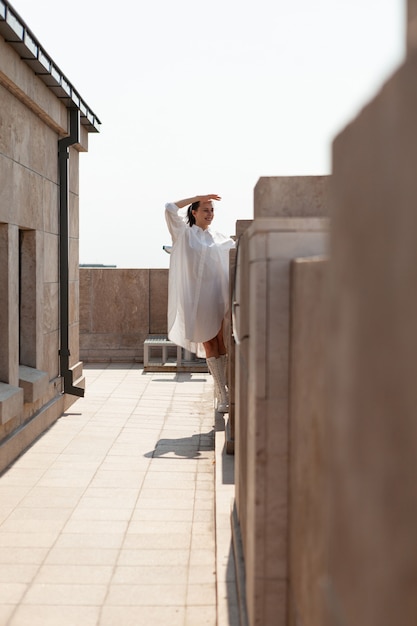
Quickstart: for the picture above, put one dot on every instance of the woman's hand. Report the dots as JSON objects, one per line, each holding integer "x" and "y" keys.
{"x": 211, "y": 196}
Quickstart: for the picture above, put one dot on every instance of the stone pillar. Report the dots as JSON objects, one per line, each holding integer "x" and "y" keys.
{"x": 307, "y": 442}
{"x": 9, "y": 309}
{"x": 372, "y": 334}
{"x": 263, "y": 360}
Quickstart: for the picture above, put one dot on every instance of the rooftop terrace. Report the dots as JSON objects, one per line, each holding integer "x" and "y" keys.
{"x": 120, "y": 513}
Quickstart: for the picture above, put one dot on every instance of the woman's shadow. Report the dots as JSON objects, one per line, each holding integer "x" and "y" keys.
{"x": 184, "y": 447}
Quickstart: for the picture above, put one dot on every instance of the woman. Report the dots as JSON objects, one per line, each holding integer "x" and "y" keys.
{"x": 198, "y": 292}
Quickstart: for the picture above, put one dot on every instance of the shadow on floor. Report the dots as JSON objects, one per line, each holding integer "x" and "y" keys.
{"x": 185, "y": 447}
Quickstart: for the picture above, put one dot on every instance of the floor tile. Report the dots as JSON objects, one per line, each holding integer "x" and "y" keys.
{"x": 144, "y": 616}
{"x": 55, "y": 615}
{"x": 67, "y": 594}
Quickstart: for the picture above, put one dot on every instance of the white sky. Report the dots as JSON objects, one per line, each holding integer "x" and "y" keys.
{"x": 206, "y": 97}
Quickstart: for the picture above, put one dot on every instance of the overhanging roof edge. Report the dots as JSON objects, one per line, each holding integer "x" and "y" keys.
{"x": 18, "y": 35}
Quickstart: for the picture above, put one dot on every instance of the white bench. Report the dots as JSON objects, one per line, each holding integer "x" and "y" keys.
{"x": 162, "y": 343}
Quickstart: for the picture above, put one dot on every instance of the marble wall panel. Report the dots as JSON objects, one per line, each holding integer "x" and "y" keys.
{"x": 50, "y": 313}
{"x": 73, "y": 217}
{"x": 74, "y": 171}
{"x": 121, "y": 300}
{"x": 86, "y": 294}
{"x": 74, "y": 344}
{"x": 51, "y": 344}
{"x": 119, "y": 309}
{"x": 51, "y": 258}
{"x": 50, "y": 207}
{"x": 73, "y": 301}
{"x": 73, "y": 259}
{"x": 33, "y": 92}
{"x": 158, "y": 293}
{"x": 27, "y": 139}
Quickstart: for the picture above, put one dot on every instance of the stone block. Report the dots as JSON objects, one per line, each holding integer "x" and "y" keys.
{"x": 241, "y": 226}
{"x": 51, "y": 343}
{"x": 85, "y": 299}
{"x": 50, "y": 206}
{"x": 33, "y": 382}
{"x": 74, "y": 343}
{"x": 73, "y": 300}
{"x": 50, "y": 307}
{"x": 74, "y": 259}
{"x": 292, "y": 196}
{"x": 19, "y": 78}
{"x": 158, "y": 301}
{"x": 267, "y": 249}
{"x": 372, "y": 370}
{"x": 307, "y": 468}
{"x": 121, "y": 300}
{"x": 74, "y": 171}
{"x": 51, "y": 258}
{"x": 74, "y": 217}
{"x": 11, "y": 402}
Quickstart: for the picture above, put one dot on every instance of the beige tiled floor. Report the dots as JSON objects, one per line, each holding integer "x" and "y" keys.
{"x": 110, "y": 518}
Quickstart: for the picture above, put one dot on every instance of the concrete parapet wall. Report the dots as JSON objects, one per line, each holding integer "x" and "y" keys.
{"x": 119, "y": 308}
{"x": 33, "y": 119}
{"x": 266, "y": 251}
{"x": 372, "y": 577}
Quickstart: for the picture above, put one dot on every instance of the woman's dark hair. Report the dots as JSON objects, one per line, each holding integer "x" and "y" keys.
{"x": 190, "y": 217}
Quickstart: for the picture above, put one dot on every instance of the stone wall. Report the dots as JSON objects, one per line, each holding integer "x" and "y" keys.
{"x": 263, "y": 360}
{"x": 32, "y": 121}
{"x": 119, "y": 308}
{"x": 341, "y": 434}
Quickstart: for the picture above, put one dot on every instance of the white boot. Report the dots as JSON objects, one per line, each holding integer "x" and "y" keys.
{"x": 223, "y": 358}
{"x": 216, "y": 369}
{"x": 217, "y": 397}
{"x": 217, "y": 393}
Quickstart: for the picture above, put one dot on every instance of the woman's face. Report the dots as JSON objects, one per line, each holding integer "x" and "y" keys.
{"x": 204, "y": 214}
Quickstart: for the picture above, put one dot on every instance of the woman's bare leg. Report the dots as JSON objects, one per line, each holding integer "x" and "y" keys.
{"x": 216, "y": 346}
{"x": 212, "y": 348}
{"x": 220, "y": 339}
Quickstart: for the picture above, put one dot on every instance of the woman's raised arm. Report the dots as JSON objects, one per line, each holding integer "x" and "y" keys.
{"x": 211, "y": 196}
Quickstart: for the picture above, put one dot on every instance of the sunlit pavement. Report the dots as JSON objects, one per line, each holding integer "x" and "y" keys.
{"x": 120, "y": 513}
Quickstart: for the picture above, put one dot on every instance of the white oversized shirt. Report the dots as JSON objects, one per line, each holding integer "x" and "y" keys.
{"x": 198, "y": 288}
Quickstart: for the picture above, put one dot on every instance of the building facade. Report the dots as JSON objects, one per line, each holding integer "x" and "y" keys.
{"x": 44, "y": 125}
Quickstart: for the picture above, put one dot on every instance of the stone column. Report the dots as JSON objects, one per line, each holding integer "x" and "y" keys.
{"x": 262, "y": 405}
